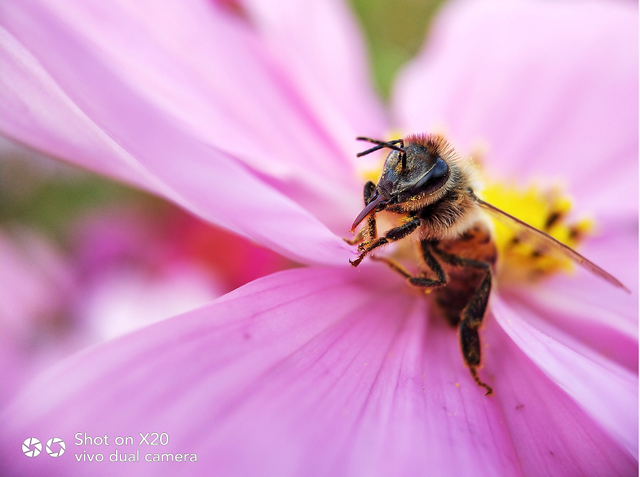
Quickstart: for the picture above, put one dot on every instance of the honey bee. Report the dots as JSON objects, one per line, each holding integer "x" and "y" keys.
{"x": 430, "y": 190}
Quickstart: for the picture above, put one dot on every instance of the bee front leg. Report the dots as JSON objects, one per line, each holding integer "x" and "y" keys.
{"x": 392, "y": 235}
{"x": 472, "y": 315}
{"x": 370, "y": 231}
{"x": 369, "y": 187}
{"x": 367, "y": 234}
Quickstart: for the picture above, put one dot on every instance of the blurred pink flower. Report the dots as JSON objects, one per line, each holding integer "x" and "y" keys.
{"x": 244, "y": 113}
{"x": 54, "y": 303}
{"x": 35, "y": 282}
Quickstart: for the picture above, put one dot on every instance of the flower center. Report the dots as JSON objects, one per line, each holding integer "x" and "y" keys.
{"x": 545, "y": 209}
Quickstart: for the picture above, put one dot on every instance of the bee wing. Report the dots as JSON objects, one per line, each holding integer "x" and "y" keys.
{"x": 536, "y": 236}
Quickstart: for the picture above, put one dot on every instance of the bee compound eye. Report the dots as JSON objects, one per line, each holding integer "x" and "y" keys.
{"x": 433, "y": 179}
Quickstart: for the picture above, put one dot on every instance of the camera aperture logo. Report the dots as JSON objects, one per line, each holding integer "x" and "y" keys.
{"x": 51, "y": 447}
{"x": 32, "y": 447}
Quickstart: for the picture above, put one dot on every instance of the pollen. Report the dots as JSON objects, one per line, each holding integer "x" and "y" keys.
{"x": 548, "y": 210}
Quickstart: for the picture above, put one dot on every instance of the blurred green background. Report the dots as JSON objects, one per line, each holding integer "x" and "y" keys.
{"x": 394, "y": 32}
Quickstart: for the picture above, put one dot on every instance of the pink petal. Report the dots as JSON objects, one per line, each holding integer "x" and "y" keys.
{"x": 551, "y": 90}
{"x": 37, "y": 112}
{"x": 231, "y": 107}
{"x": 606, "y": 391}
{"x": 264, "y": 215}
{"x": 322, "y": 50}
{"x": 552, "y": 436}
{"x": 189, "y": 127}
{"x": 314, "y": 371}
{"x": 603, "y": 320}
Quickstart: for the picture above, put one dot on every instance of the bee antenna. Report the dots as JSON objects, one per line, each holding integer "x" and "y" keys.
{"x": 383, "y": 144}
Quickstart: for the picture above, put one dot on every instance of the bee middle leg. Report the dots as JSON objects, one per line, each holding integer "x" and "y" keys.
{"x": 420, "y": 281}
{"x": 472, "y": 315}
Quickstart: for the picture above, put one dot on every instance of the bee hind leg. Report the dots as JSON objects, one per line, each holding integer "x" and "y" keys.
{"x": 470, "y": 344}
{"x": 472, "y": 315}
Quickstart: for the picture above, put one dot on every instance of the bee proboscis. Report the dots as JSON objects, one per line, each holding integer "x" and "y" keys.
{"x": 431, "y": 191}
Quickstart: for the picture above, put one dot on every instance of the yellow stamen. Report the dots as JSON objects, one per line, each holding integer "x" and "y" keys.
{"x": 546, "y": 210}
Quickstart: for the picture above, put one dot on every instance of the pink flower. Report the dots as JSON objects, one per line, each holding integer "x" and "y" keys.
{"x": 245, "y": 114}
{"x": 35, "y": 282}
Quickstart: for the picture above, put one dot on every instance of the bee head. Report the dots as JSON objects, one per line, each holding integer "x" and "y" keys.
{"x": 415, "y": 174}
